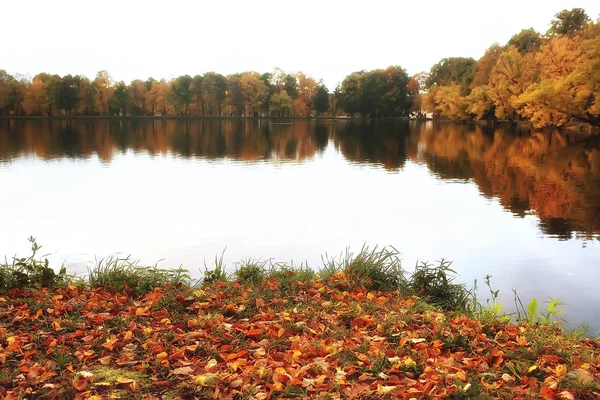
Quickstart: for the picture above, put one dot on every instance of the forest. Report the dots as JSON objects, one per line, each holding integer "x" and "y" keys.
{"x": 549, "y": 79}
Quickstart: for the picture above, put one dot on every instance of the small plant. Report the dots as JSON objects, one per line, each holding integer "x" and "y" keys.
{"x": 217, "y": 274}
{"x": 251, "y": 271}
{"x": 532, "y": 315}
{"x": 435, "y": 284}
{"x": 377, "y": 269}
{"x": 32, "y": 272}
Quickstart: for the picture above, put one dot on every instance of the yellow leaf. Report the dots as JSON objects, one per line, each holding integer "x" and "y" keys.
{"x": 210, "y": 366}
{"x": 561, "y": 370}
{"x": 409, "y": 362}
{"x": 532, "y": 368}
{"x": 162, "y": 356}
{"x": 385, "y": 389}
{"x": 147, "y": 331}
{"x": 460, "y": 374}
{"x": 11, "y": 340}
{"x": 207, "y": 380}
{"x": 296, "y": 356}
{"x": 124, "y": 381}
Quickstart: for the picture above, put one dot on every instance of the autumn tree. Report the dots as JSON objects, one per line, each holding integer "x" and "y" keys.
{"x": 569, "y": 84}
{"x": 137, "y": 97}
{"x": 254, "y": 90}
{"x": 307, "y": 88}
{"x": 512, "y": 74}
{"x": 103, "y": 89}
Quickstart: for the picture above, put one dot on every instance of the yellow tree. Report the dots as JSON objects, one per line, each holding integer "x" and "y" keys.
{"x": 479, "y": 102}
{"x": 511, "y": 75}
{"x": 33, "y": 97}
{"x": 254, "y": 90}
{"x": 569, "y": 84}
{"x": 103, "y": 90}
{"x": 451, "y": 103}
{"x": 429, "y": 103}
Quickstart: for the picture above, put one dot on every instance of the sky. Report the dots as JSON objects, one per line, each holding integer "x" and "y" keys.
{"x": 327, "y": 39}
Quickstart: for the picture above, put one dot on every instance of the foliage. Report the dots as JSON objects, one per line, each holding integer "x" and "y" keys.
{"x": 377, "y": 93}
{"x": 550, "y": 81}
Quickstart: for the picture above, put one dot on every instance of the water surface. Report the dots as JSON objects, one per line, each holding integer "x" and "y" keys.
{"x": 523, "y": 207}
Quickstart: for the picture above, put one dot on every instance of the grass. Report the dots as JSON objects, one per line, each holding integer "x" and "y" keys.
{"x": 121, "y": 274}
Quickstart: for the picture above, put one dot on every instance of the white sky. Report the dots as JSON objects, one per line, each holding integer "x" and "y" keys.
{"x": 327, "y": 39}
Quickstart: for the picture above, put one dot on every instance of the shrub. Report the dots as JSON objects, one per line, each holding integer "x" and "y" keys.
{"x": 31, "y": 272}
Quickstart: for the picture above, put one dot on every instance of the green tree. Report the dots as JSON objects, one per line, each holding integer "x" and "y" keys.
{"x": 120, "y": 98}
{"x": 214, "y": 86}
{"x": 67, "y": 94}
{"x": 267, "y": 78}
{"x": 236, "y": 97}
{"x": 569, "y": 22}
{"x": 321, "y": 99}
{"x": 396, "y": 99}
{"x": 181, "y": 92}
{"x": 281, "y": 103}
{"x": 525, "y": 41}
{"x": 197, "y": 93}
{"x": 11, "y": 94}
{"x": 290, "y": 85}
{"x": 350, "y": 93}
{"x": 459, "y": 70}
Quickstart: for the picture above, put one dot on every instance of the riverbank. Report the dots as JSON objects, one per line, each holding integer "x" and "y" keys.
{"x": 276, "y": 331}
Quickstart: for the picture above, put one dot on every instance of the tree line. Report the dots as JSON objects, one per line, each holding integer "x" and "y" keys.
{"x": 248, "y": 94}
{"x": 549, "y": 79}
{"x": 211, "y": 94}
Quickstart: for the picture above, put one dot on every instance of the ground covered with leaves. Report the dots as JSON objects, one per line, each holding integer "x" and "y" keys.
{"x": 316, "y": 339}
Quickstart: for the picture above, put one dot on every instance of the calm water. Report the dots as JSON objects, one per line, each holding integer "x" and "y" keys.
{"x": 522, "y": 207}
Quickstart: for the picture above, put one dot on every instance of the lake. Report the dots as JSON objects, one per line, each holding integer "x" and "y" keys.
{"x": 523, "y": 207}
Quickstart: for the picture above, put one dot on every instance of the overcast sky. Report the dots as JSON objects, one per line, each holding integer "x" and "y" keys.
{"x": 327, "y": 39}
